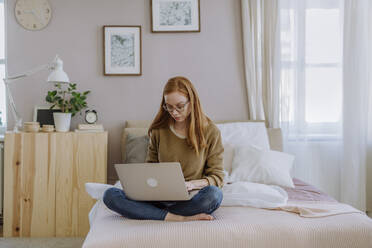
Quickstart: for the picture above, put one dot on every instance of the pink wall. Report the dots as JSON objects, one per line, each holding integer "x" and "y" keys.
{"x": 212, "y": 60}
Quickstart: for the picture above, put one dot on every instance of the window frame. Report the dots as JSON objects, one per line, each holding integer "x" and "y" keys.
{"x": 308, "y": 130}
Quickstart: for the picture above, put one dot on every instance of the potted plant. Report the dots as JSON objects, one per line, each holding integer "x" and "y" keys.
{"x": 69, "y": 101}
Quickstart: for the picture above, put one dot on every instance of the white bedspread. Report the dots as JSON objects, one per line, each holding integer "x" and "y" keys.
{"x": 233, "y": 227}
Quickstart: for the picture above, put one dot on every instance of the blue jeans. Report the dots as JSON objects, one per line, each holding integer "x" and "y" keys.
{"x": 207, "y": 200}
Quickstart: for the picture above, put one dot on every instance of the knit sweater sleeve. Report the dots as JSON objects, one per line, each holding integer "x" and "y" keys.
{"x": 213, "y": 170}
{"x": 152, "y": 150}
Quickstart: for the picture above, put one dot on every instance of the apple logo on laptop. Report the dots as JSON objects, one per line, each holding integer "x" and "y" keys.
{"x": 152, "y": 182}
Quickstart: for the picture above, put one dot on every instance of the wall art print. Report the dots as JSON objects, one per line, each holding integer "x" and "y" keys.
{"x": 122, "y": 50}
{"x": 175, "y": 16}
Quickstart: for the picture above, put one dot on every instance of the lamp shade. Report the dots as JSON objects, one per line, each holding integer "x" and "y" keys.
{"x": 57, "y": 75}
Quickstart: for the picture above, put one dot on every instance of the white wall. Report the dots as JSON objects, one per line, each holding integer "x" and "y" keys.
{"x": 212, "y": 59}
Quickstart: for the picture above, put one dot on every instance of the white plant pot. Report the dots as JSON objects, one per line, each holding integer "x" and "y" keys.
{"x": 62, "y": 121}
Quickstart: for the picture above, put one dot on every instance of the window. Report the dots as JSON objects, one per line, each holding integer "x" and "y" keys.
{"x": 2, "y": 64}
{"x": 311, "y": 54}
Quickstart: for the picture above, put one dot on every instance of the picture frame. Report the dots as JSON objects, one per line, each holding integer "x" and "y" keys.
{"x": 44, "y": 115}
{"x": 177, "y": 16}
{"x": 122, "y": 50}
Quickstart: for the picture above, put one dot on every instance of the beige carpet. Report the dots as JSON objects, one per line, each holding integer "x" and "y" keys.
{"x": 41, "y": 242}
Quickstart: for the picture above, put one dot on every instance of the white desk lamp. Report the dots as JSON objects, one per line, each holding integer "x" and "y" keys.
{"x": 57, "y": 75}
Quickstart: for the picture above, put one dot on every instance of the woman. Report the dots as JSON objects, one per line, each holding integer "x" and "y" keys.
{"x": 180, "y": 132}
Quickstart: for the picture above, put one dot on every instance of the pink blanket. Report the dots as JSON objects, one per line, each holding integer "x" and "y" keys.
{"x": 306, "y": 192}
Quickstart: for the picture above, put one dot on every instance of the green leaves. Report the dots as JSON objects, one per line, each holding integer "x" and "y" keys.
{"x": 70, "y": 100}
{"x": 51, "y": 96}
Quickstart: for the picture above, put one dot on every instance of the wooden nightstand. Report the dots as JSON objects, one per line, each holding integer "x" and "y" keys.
{"x": 44, "y": 182}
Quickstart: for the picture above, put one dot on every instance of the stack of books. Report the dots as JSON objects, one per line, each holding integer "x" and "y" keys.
{"x": 89, "y": 128}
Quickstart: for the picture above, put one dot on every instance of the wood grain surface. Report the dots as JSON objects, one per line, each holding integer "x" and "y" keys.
{"x": 44, "y": 182}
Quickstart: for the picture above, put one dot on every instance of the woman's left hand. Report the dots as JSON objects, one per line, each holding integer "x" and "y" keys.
{"x": 190, "y": 185}
{"x": 196, "y": 184}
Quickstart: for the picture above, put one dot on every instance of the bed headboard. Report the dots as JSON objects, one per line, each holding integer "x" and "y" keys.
{"x": 139, "y": 128}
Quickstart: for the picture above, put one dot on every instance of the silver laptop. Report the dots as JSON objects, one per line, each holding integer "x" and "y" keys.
{"x": 153, "y": 182}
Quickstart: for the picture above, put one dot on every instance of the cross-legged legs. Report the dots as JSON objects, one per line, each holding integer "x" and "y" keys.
{"x": 116, "y": 200}
{"x": 206, "y": 201}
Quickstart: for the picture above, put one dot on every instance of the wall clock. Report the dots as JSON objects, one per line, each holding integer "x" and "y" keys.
{"x": 33, "y": 14}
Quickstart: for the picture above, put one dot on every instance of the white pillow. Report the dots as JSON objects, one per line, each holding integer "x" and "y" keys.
{"x": 242, "y": 133}
{"x": 253, "y": 164}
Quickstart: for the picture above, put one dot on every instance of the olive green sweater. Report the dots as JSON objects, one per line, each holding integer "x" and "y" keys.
{"x": 166, "y": 146}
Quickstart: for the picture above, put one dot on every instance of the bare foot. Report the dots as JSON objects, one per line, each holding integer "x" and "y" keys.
{"x": 174, "y": 217}
{"x": 199, "y": 217}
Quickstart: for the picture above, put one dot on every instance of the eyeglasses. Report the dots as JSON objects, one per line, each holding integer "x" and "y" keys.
{"x": 178, "y": 108}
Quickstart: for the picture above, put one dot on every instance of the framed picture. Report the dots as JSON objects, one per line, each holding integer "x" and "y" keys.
{"x": 44, "y": 115}
{"x": 122, "y": 50}
{"x": 175, "y": 16}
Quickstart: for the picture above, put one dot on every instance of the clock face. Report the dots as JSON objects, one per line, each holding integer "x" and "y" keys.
{"x": 33, "y": 14}
{"x": 91, "y": 117}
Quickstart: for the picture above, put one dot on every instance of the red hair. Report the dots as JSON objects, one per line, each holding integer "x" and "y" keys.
{"x": 195, "y": 122}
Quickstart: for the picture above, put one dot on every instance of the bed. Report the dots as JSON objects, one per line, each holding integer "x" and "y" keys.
{"x": 234, "y": 226}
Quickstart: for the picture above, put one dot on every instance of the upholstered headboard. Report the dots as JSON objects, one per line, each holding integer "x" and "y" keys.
{"x": 139, "y": 128}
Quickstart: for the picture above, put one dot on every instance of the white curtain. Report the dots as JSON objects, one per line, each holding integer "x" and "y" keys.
{"x": 307, "y": 69}
{"x": 311, "y": 90}
{"x": 262, "y": 58}
{"x": 325, "y": 93}
{"x": 357, "y": 63}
